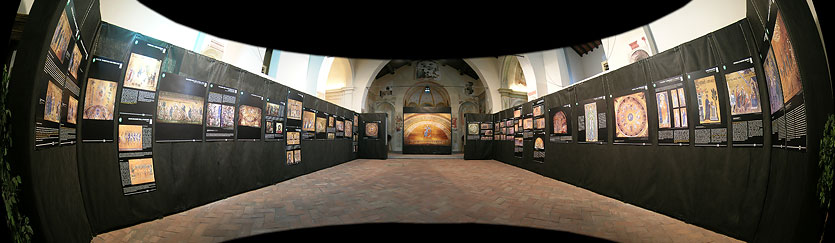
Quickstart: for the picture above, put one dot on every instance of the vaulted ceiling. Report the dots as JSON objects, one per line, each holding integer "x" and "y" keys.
{"x": 587, "y": 47}
{"x": 459, "y": 64}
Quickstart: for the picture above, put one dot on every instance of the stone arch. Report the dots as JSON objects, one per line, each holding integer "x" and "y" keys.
{"x": 417, "y": 97}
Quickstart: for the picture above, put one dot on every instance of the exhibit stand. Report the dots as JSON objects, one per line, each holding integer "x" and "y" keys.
{"x": 481, "y": 131}
{"x": 373, "y": 143}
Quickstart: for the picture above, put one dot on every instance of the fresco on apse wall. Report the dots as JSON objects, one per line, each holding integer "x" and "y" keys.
{"x": 99, "y": 99}
{"x": 179, "y": 108}
{"x": 52, "y": 103}
{"x": 142, "y": 72}
{"x": 427, "y": 129}
{"x": 249, "y": 116}
{"x": 743, "y": 93}
{"x": 786, "y": 62}
{"x": 631, "y": 116}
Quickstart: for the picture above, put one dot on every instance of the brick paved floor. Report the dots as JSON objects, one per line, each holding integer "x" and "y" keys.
{"x": 416, "y": 191}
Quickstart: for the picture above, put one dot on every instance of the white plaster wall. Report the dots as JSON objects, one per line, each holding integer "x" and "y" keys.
{"x": 575, "y": 65}
{"x": 695, "y": 19}
{"x": 292, "y": 71}
{"x": 364, "y": 72}
{"x": 25, "y": 6}
{"x": 487, "y": 69}
{"x": 617, "y": 49}
{"x": 134, "y": 16}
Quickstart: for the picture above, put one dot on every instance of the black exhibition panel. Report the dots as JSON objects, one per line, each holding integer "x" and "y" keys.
{"x": 372, "y": 136}
{"x": 477, "y": 148}
{"x": 434, "y": 116}
{"x": 50, "y": 192}
{"x": 793, "y": 173}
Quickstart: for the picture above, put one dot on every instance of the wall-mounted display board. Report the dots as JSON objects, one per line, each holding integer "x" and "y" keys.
{"x": 473, "y": 129}
{"x": 355, "y": 130}
{"x": 427, "y": 130}
{"x": 671, "y": 101}
{"x": 709, "y": 90}
{"x": 331, "y": 126}
{"x": 250, "y": 116}
{"x": 294, "y": 126}
{"x": 372, "y": 136}
{"x": 591, "y": 121}
{"x": 480, "y": 147}
{"x": 794, "y": 108}
{"x": 180, "y": 109}
{"x": 560, "y": 123}
{"x": 631, "y": 116}
{"x": 310, "y": 123}
{"x": 340, "y": 127}
{"x": 538, "y": 130}
{"x": 274, "y": 120}
{"x": 745, "y": 103}
{"x": 99, "y": 107}
{"x": 518, "y": 133}
{"x": 137, "y": 109}
{"x": 220, "y": 113}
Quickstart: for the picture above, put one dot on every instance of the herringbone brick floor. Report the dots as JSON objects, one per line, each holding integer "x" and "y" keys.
{"x": 416, "y": 191}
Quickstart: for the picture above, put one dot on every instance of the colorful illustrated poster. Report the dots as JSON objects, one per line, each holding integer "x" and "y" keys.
{"x": 671, "y": 100}
{"x": 321, "y": 125}
{"x": 274, "y": 120}
{"x": 331, "y": 129}
{"x": 309, "y": 123}
{"x": 372, "y": 129}
{"x": 560, "y": 124}
{"x": 250, "y": 116}
{"x": 745, "y": 103}
{"x": 427, "y": 129}
{"x": 591, "y": 122}
{"x": 48, "y": 117}
{"x": 180, "y": 109}
{"x": 293, "y": 127}
{"x": 631, "y": 117}
{"x": 220, "y": 113}
{"x": 539, "y": 117}
{"x": 711, "y": 129}
{"x": 539, "y": 148}
{"x": 137, "y": 175}
{"x": 775, "y": 96}
{"x": 340, "y": 127}
{"x": 99, "y": 102}
{"x": 791, "y": 85}
{"x": 527, "y": 127}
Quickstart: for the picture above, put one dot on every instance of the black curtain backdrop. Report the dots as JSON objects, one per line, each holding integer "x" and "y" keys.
{"x": 373, "y": 148}
{"x": 749, "y": 193}
{"x": 478, "y": 149}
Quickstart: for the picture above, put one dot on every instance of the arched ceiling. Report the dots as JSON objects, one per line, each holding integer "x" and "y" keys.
{"x": 458, "y": 64}
{"x": 415, "y": 30}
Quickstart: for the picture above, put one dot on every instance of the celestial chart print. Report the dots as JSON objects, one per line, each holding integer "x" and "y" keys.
{"x": 427, "y": 129}
{"x": 631, "y": 116}
{"x": 743, "y": 92}
{"x": 249, "y": 116}
{"x": 371, "y": 129}
{"x": 591, "y": 121}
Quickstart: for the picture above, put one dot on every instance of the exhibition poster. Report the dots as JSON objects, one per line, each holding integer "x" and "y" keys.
{"x": 561, "y": 124}
{"x": 371, "y": 129}
{"x": 631, "y": 116}
{"x": 745, "y": 103}
{"x": 711, "y": 129}
{"x": 98, "y": 110}
{"x": 671, "y": 101}
{"x": 791, "y": 85}
{"x": 250, "y": 116}
{"x": 220, "y": 113}
{"x": 310, "y": 122}
{"x": 293, "y": 127}
{"x": 180, "y": 109}
{"x": 518, "y": 133}
{"x": 591, "y": 123}
{"x": 427, "y": 129}
{"x": 775, "y": 97}
{"x": 274, "y": 120}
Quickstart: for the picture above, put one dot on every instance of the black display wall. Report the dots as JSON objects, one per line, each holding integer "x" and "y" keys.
{"x": 751, "y": 192}
{"x": 50, "y": 190}
{"x": 76, "y": 189}
{"x": 478, "y": 148}
{"x": 372, "y": 145}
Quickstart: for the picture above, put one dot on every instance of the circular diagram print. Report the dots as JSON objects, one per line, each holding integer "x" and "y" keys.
{"x": 473, "y": 128}
{"x": 632, "y": 116}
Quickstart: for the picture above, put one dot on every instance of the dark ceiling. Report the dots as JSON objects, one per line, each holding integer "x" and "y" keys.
{"x": 414, "y": 30}
{"x": 584, "y": 48}
{"x": 459, "y": 64}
